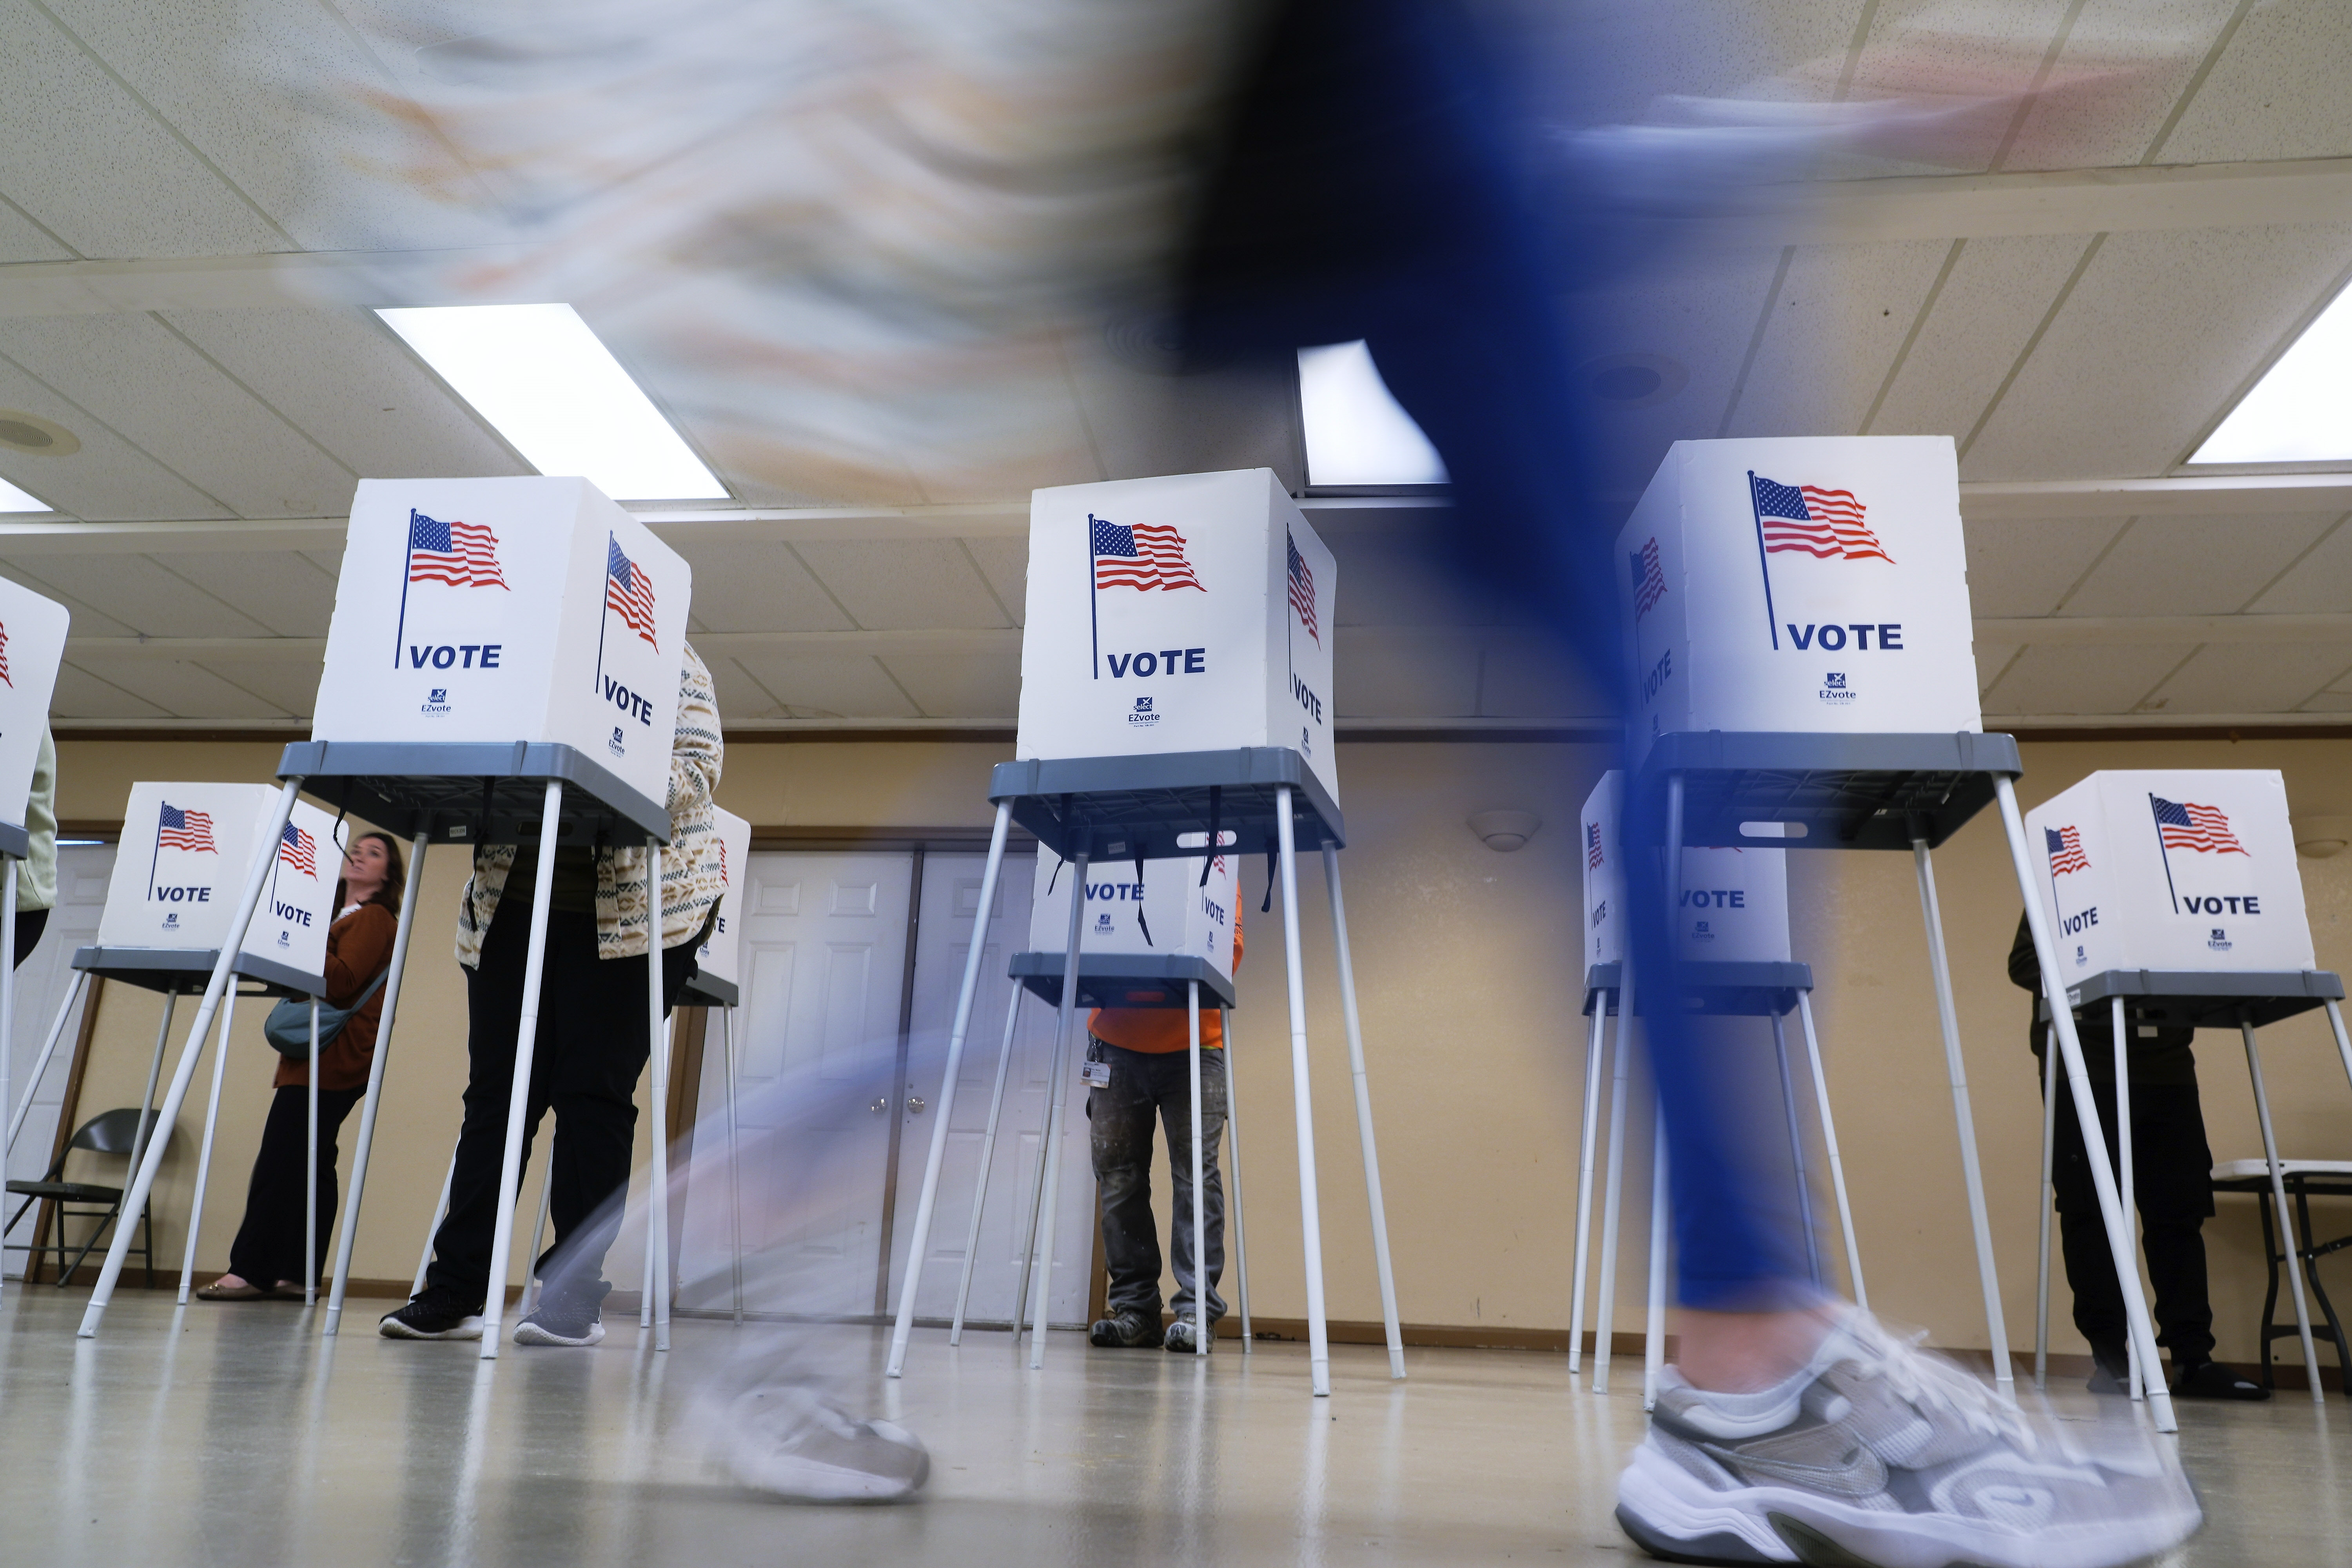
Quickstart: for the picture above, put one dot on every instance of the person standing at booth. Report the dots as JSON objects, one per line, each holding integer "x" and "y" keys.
{"x": 1137, "y": 1067}
{"x": 37, "y": 873}
{"x": 592, "y": 1045}
{"x": 2172, "y": 1187}
{"x": 267, "y": 1258}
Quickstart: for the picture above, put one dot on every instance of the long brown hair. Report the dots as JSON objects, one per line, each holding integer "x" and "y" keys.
{"x": 396, "y": 874}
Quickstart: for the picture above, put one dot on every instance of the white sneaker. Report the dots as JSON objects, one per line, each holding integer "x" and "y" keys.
{"x": 786, "y": 1440}
{"x": 1881, "y": 1455}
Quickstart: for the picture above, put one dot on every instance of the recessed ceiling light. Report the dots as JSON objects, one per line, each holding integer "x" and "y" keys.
{"x": 23, "y": 432}
{"x": 556, "y": 392}
{"x": 14, "y": 500}
{"x": 2300, "y": 410}
{"x": 1356, "y": 433}
{"x": 1632, "y": 380}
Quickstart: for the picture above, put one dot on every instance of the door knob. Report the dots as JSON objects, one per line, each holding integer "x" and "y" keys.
{"x": 879, "y": 1106}
{"x": 915, "y": 1105}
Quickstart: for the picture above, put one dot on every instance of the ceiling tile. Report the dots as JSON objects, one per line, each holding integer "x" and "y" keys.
{"x": 758, "y": 588}
{"x": 2330, "y": 702}
{"x": 81, "y": 695}
{"x": 352, "y": 389}
{"x": 1525, "y": 676}
{"x": 291, "y": 685}
{"x": 2118, "y": 125}
{"x": 1389, "y": 580}
{"x": 88, "y": 622}
{"x": 2152, "y": 345}
{"x": 2248, "y": 677}
{"x": 1991, "y": 659}
{"x": 152, "y": 601}
{"x": 829, "y": 686}
{"x": 2276, "y": 92}
{"x": 1144, "y": 421}
{"x": 279, "y": 588}
{"x": 21, "y": 239}
{"x": 2194, "y": 565}
{"x": 947, "y": 687}
{"x": 1841, "y": 314}
{"x": 1404, "y": 674}
{"x": 1997, "y": 294}
{"x": 1005, "y": 563}
{"x": 740, "y": 696}
{"x": 182, "y": 689}
{"x": 108, "y": 480}
{"x": 2101, "y": 679}
{"x": 896, "y": 584}
{"x": 2024, "y": 566}
{"x": 134, "y": 373}
{"x": 95, "y": 168}
{"x": 2319, "y": 584}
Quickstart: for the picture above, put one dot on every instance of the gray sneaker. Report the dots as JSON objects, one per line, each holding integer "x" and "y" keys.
{"x": 1882, "y": 1456}
{"x": 1181, "y": 1337}
{"x": 788, "y": 1441}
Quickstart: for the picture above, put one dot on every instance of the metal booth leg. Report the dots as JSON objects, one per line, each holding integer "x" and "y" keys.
{"x": 1364, "y": 1113}
{"x": 987, "y": 1159}
{"x": 2135, "y": 1372}
{"x": 1592, "y": 1051}
{"x": 2049, "y": 1206}
{"x": 204, "y": 1152}
{"x": 1234, "y": 1177}
{"x": 1201, "y": 1325}
{"x": 1653, "y": 1347}
{"x": 918, "y": 1244}
{"x": 2295, "y": 1262}
{"x": 1797, "y": 1148}
{"x": 734, "y": 1163}
{"x": 8, "y": 1005}
{"x": 440, "y": 1213}
{"x": 1049, "y": 1183}
{"x": 1830, "y": 1148}
{"x": 534, "y": 975}
{"x": 1310, "y": 1211}
{"x": 1964, "y": 1120}
{"x": 148, "y": 1121}
{"x": 657, "y": 1026}
{"x": 1612, "y": 1197}
{"x": 311, "y": 1188}
{"x": 2078, "y": 1083}
{"x": 2335, "y": 1024}
{"x": 41, "y": 1063}
{"x": 373, "y": 1097}
{"x": 150, "y": 1162}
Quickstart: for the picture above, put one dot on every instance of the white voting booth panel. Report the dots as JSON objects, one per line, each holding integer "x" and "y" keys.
{"x": 1185, "y": 916}
{"x": 187, "y": 848}
{"x": 720, "y": 953}
{"x": 2172, "y": 870}
{"x": 32, "y": 641}
{"x": 1604, "y": 872}
{"x": 1800, "y": 584}
{"x": 1732, "y": 903}
{"x": 1188, "y": 614}
{"x": 502, "y": 610}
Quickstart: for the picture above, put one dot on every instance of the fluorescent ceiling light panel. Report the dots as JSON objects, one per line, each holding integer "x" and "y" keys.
{"x": 558, "y": 395}
{"x": 14, "y": 500}
{"x": 2300, "y": 410}
{"x": 1356, "y": 433}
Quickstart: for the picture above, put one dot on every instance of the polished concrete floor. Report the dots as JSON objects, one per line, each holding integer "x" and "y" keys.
{"x": 235, "y": 1436}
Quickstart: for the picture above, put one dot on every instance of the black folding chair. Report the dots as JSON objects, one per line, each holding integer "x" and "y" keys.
{"x": 109, "y": 1132}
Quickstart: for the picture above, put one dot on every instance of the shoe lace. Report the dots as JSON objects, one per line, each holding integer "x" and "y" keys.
{"x": 1932, "y": 1387}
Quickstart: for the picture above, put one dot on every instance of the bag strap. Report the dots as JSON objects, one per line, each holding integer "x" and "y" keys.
{"x": 373, "y": 987}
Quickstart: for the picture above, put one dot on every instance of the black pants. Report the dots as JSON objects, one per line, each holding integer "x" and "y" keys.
{"x": 2172, "y": 1188}
{"x": 268, "y": 1245}
{"x": 1145, "y": 1084}
{"x": 591, "y": 1049}
{"x": 30, "y": 925}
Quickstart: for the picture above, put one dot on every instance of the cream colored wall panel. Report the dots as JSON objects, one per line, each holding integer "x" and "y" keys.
{"x": 2194, "y": 565}
{"x": 2025, "y": 567}
{"x": 898, "y": 583}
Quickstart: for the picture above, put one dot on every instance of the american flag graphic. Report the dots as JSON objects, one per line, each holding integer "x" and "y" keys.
{"x": 1649, "y": 579}
{"x": 629, "y": 592}
{"x": 2185, "y": 825}
{"x": 1819, "y": 523}
{"x": 3, "y": 657}
{"x": 1592, "y": 845}
{"x": 300, "y": 850}
{"x": 462, "y": 554}
{"x": 2065, "y": 847}
{"x": 1302, "y": 588}
{"x": 1148, "y": 555}
{"x": 186, "y": 830}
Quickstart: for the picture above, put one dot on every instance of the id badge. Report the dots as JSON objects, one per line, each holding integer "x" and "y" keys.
{"x": 1097, "y": 1074}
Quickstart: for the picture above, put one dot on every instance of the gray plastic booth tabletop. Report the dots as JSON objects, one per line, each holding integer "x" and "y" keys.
{"x": 474, "y": 793}
{"x": 1839, "y": 791}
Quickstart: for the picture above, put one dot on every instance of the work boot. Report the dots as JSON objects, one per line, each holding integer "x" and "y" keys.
{"x": 1183, "y": 1337}
{"x": 1125, "y": 1331}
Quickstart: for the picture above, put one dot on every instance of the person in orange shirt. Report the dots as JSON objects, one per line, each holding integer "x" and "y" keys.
{"x": 1137, "y": 1067}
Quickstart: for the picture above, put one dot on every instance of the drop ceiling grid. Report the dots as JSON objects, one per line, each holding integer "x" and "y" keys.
{"x": 1155, "y": 422}
{"x": 2319, "y": 584}
{"x": 289, "y": 685}
{"x": 84, "y": 696}
{"x": 903, "y": 584}
{"x": 153, "y": 602}
{"x": 2027, "y": 566}
{"x": 22, "y": 239}
{"x": 88, "y": 160}
{"x": 110, "y": 479}
{"x": 88, "y": 621}
{"x": 1917, "y": 39}
{"x": 2248, "y": 678}
{"x": 1701, "y": 313}
{"x": 2104, "y": 678}
{"x": 2158, "y": 336}
{"x": 1841, "y": 313}
{"x": 827, "y": 686}
{"x": 183, "y": 688}
{"x": 1997, "y": 294}
{"x": 949, "y": 686}
{"x": 2121, "y": 121}
{"x": 283, "y": 591}
{"x": 1005, "y": 563}
{"x": 1415, "y": 674}
{"x": 2277, "y": 92}
{"x": 760, "y": 589}
{"x": 2195, "y": 565}
{"x": 135, "y": 373}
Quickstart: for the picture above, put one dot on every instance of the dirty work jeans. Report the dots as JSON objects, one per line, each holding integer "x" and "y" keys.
{"x": 1144, "y": 1085}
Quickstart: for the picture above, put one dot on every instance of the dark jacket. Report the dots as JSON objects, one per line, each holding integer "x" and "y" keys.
{"x": 2160, "y": 1053}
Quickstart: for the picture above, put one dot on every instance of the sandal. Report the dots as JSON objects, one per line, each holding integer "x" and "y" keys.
{"x": 216, "y": 1291}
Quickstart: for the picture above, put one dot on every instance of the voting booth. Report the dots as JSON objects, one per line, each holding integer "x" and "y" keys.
{"x": 717, "y": 973}
{"x": 1175, "y": 697}
{"x": 1146, "y": 940}
{"x": 2176, "y": 900}
{"x": 1798, "y": 638}
{"x": 32, "y": 643}
{"x": 502, "y": 667}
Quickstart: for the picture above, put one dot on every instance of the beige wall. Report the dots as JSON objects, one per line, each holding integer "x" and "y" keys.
{"x": 1472, "y": 1033}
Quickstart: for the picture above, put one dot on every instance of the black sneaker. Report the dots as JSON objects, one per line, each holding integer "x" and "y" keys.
{"x": 440, "y": 1313}
{"x": 565, "y": 1318}
{"x": 2211, "y": 1380}
{"x": 1124, "y": 1332}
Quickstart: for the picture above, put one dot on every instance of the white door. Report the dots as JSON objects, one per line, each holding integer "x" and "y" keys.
{"x": 823, "y": 974}
{"x": 42, "y": 984}
{"x": 950, "y": 904}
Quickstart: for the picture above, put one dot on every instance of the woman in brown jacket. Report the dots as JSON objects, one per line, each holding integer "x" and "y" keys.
{"x": 265, "y": 1259}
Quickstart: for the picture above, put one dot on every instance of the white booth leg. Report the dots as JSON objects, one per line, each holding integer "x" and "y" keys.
{"x": 1592, "y": 1051}
{"x": 734, "y": 1161}
{"x": 1964, "y": 1120}
{"x": 1604, "y": 1320}
{"x": 657, "y": 1023}
{"x": 1653, "y": 1347}
{"x": 2134, "y": 1371}
{"x": 1381, "y": 1261}
{"x": 8, "y": 1003}
{"x": 205, "y": 1150}
{"x": 1797, "y": 1148}
{"x": 2078, "y": 1083}
{"x": 1048, "y": 1187}
{"x": 148, "y": 1121}
{"x": 48, "y": 1050}
{"x": 2286, "y": 1220}
{"x": 311, "y": 1188}
{"x": 1829, "y": 1149}
{"x": 1201, "y": 1328}
{"x": 646, "y": 1285}
{"x": 1029, "y": 1236}
{"x": 1233, "y": 1179}
{"x": 1310, "y": 1212}
{"x": 918, "y": 1244}
{"x": 2335, "y": 1024}
{"x": 373, "y": 1097}
{"x": 534, "y": 975}
{"x": 440, "y": 1213}
{"x": 2049, "y": 1205}
{"x": 987, "y": 1160}
{"x": 151, "y": 1157}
